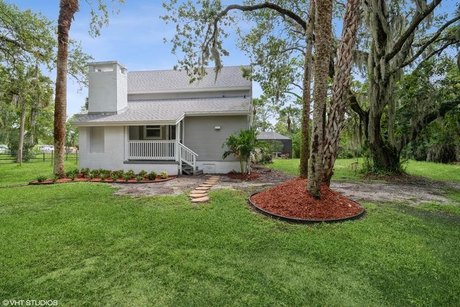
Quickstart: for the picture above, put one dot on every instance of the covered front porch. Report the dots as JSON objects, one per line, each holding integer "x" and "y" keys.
{"x": 159, "y": 143}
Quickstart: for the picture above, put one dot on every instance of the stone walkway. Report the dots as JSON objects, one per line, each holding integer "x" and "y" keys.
{"x": 200, "y": 193}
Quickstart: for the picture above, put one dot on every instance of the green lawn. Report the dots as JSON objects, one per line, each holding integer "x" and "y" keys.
{"x": 344, "y": 170}
{"x": 80, "y": 244}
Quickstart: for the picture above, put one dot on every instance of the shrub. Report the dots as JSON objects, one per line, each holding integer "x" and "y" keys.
{"x": 84, "y": 172}
{"x": 143, "y": 174}
{"x": 95, "y": 173}
{"x": 163, "y": 175}
{"x": 103, "y": 175}
{"x": 139, "y": 178}
{"x": 71, "y": 175}
{"x": 127, "y": 176}
{"x": 118, "y": 173}
{"x": 130, "y": 173}
{"x": 152, "y": 176}
{"x": 115, "y": 176}
{"x": 41, "y": 178}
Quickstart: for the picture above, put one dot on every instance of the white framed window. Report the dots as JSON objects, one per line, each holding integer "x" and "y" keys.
{"x": 153, "y": 132}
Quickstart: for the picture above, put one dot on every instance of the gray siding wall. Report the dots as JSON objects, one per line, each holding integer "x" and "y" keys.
{"x": 202, "y": 137}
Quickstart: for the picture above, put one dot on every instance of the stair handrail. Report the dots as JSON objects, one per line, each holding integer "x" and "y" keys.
{"x": 191, "y": 162}
{"x": 186, "y": 148}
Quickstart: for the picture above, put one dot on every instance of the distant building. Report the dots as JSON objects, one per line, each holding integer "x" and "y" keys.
{"x": 282, "y": 145}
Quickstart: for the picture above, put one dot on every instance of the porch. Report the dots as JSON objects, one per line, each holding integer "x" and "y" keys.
{"x": 160, "y": 143}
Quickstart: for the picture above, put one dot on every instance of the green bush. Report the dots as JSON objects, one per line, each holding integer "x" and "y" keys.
{"x": 139, "y": 178}
{"x": 163, "y": 175}
{"x": 130, "y": 173}
{"x": 143, "y": 174}
{"x": 114, "y": 176}
{"x": 152, "y": 175}
{"x": 127, "y": 176}
{"x": 41, "y": 178}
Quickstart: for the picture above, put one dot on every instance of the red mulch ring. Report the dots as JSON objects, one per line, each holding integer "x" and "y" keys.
{"x": 291, "y": 200}
{"x": 244, "y": 177}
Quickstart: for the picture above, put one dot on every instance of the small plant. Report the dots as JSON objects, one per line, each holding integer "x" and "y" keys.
{"x": 41, "y": 178}
{"x": 73, "y": 172}
{"x": 115, "y": 176}
{"x": 152, "y": 176}
{"x": 55, "y": 178}
{"x": 103, "y": 176}
{"x": 119, "y": 173}
{"x": 130, "y": 173}
{"x": 91, "y": 176}
{"x": 72, "y": 175}
{"x": 127, "y": 176}
{"x": 139, "y": 178}
{"x": 163, "y": 175}
{"x": 84, "y": 172}
{"x": 95, "y": 173}
{"x": 143, "y": 174}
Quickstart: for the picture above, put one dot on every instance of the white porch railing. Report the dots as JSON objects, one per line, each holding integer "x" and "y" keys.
{"x": 188, "y": 156}
{"x": 152, "y": 150}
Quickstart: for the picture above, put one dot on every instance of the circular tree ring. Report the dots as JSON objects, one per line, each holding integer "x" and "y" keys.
{"x": 297, "y": 220}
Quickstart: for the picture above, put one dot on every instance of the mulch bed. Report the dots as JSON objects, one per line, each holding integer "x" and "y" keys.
{"x": 244, "y": 177}
{"x": 291, "y": 200}
{"x": 80, "y": 179}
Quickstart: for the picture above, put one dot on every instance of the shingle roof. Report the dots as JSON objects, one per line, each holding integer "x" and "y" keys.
{"x": 173, "y": 80}
{"x": 271, "y": 135}
{"x": 168, "y": 110}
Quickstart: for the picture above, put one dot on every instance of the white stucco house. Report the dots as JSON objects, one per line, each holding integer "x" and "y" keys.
{"x": 158, "y": 120}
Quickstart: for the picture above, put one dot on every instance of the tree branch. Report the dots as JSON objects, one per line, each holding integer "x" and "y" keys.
{"x": 265, "y": 5}
{"x": 427, "y": 119}
{"x": 418, "y": 18}
{"x": 429, "y": 42}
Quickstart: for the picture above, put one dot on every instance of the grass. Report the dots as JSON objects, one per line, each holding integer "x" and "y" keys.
{"x": 344, "y": 169}
{"x": 82, "y": 245}
{"x": 13, "y": 174}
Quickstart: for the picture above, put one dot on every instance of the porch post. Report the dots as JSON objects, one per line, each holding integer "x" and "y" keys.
{"x": 126, "y": 129}
{"x": 177, "y": 152}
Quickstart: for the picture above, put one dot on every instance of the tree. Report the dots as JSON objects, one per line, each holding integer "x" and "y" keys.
{"x": 241, "y": 145}
{"x": 67, "y": 9}
{"x": 395, "y": 44}
{"x": 323, "y": 38}
{"x": 282, "y": 63}
{"x": 341, "y": 87}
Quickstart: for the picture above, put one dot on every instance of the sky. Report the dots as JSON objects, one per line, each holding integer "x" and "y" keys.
{"x": 134, "y": 37}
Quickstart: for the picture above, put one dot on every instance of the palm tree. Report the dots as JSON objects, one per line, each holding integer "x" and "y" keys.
{"x": 241, "y": 146}
{"x": 323, "y": 24}
{"x": 67, "y": 10}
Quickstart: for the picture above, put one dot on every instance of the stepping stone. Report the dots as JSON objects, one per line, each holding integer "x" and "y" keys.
{"x": 198, "y": 195}
{"x": 202, "y": 188}
{"x": 200, "y": 200}
{"x": 206, "y": 185}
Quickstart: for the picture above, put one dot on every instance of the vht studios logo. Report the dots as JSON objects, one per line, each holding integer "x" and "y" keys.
{"x": 12, "y": 302}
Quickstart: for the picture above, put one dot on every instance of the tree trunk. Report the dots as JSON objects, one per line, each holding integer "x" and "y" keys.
{"x": 22, "y": 124}
{"x": 340, "y": 87}
{"x": 323, "y": 24}
{"x": 67, "y": 9}
{"x": 306, "y": 98}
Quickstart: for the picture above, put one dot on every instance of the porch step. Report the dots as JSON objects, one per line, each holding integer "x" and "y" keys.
{"x": 188, "y": 170}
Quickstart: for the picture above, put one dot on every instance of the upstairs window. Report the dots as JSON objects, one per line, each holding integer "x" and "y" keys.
{"x": 153, "y": 132}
